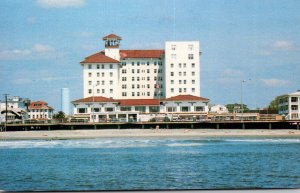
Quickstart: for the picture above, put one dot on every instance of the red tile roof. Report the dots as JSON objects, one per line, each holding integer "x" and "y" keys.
{"x": 95, "y": 99}
{"x": 186, "y": 98}
{"x": 112, "y": 36}
{"x": 141, "y": 53}
{"x": 99, "y": 58}
{"x": 39, "y": 105}
{"x": 139, "y": 102}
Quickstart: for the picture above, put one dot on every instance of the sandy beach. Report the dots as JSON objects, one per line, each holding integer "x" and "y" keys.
{"x": 108, "y": 133}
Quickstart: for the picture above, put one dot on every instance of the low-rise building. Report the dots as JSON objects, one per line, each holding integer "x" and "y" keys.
{"x": 288, "y": 105}
{"x": 102, "y": 109}
{"x": 14, "y": 108}
{"x": 40, "y": 110}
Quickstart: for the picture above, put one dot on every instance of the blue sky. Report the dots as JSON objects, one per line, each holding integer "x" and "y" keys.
{"x": 43, "y": 41}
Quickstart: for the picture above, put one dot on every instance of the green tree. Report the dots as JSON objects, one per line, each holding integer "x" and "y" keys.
{"x": 274, "y": 104}
{"x": 237, "y": 108}
{"x": 59, "y": 115}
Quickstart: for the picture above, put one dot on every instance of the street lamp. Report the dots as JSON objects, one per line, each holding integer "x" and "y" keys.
{"x": 242, "y": 106}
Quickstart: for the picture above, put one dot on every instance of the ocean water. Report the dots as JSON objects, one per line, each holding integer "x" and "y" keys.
{"x": 149, "y": 164}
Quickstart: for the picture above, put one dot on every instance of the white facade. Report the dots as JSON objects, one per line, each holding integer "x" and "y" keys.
{"x": 289, "y": 106}
{"x": 182, "y": 63}
{"x": 142, "y": 74}
{"x": 219, "y": 109}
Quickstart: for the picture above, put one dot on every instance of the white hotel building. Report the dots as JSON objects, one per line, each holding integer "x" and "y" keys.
{"x": 119, "y": 77}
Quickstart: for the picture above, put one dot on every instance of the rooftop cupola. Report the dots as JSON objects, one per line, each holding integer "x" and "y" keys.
{"x": 112, "y": 43}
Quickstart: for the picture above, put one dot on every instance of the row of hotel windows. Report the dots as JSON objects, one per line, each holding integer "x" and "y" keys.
{"x": 183, "y": 65}
{"x": 90, "y": 91}
{"x": 124, "y": 86}
{"x": 180, "y": 90}
{"x": 90, "y": 66}
{"x": 190, "y": 56}
{"x": 189, "y": 47}
{"x": 182, "y": 73}
{"x": 143, "y": 109}
{"x": 155, "y": 78}
{"x": 156, "y": 94}
{"x": 182, "y": 81}
{"x": 39, "y": 116}
{"x": 159, "y": 63}
{"x": 124, "y": 71}
{"x": 102, "y": 74}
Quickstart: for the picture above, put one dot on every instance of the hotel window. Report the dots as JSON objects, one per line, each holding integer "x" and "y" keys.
{"x": 172, "y": 65}
{"x": 96, "y": 110}
{"x": 137, "y": 86}
{"x": 98, "y": 74}
{"x": 90, "y": 91}
{"x": 132, "y": 94}
{"x": 111, "y": 74}
{"x": 148, "y": 63}
{"x": 184, "y": 73}
{"x": 160, "y": 63}
{"x": 155, "y": 78}
{"x": 184, "y": 81}
{"x": 179, "y": 65}
{"x": 98, "y": 66}
{"x": 172, "y": 73}
{"x": 111, "y": 91}
{"x": 132, "y": 71}
{"x": 173, "y": 47}
{"x": 171, "y": 109}
{"x": 90, "y": 66}
{"x": 155, "y": 70}
{"x": 193, "y": 89}
{"x": 180, "y": 90}
{"x": 193, "y": 65}
{"x": 132, "y": 63}
{"x": 179, "y": 73}
{"x": 294, "y": 99}
{"x": 111, "y": 66}
{"x": 148, "y": 85}
{"x": 184, "y": 65}
{"x": 124, "y": 79}
{"x": 124, "y": 86}
{"x": 148, "y": 93}
{"x": 102, "y": 66}
{"x": 110, "y": 82}
{"x": 172, "y": 90}
{"x": 103, "y": 91}
{"x": 124, "y": 94}
{"x": 173, "y": 56}
{"x": 190, "y": 47}
{"x": 79, "y": 110}
{"x": 148, "y": 70}
{"x": 159, "y": 70}
{"x": 98, "y": 91}
{"x": 199, "y": 108}
{"x": 184, "y": 89}
{"x": 155, "y": 63}
{"x": 90, "y": 74}
{"x": 185, "y": 109}
{"x": 193, "y": 73}
{"x": 123, "y": 71}
{"x": 90, "y": 82}
{"x": 148, "y": 78}
{"x": 191, "y": 56}
{"x": 138, "y": 78}
{"x": 138, "y": 63}
{"x": 123, "y": 63}
{"x": 109, "y": 109}
{"x": 132, "y": 86}
{"x": 138, "y": 94}
{"x": 132, "y": 78}
{"x": 179, "y": 81}
{"x": 103, "y": 82}
{"x": 172, "y": 81}
{"x": 138, "y": 71}
{"x": 102, "y": 74}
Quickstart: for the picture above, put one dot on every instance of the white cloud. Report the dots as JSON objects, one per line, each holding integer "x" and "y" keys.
{"x": 232, "y": 72}
{"x": 36, "y": 51}
{"x": 273, "y": 82}
{"x": 283, "y": 45}
{"x": 60, "y": 3}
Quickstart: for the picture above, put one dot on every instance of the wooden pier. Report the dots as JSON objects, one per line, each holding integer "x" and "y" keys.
{"x": 153, "y": 125}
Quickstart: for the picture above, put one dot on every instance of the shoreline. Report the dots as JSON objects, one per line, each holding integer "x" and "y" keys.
{"x": 142, "y": 133}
